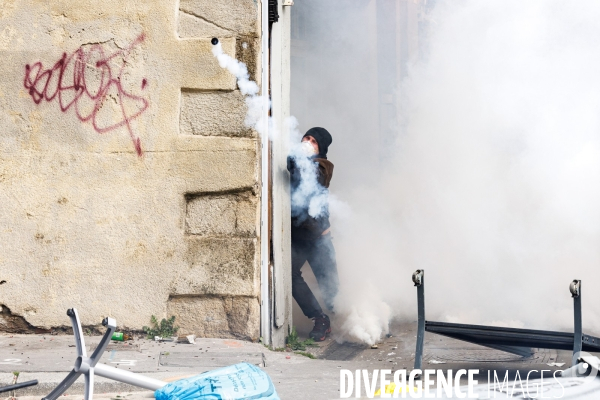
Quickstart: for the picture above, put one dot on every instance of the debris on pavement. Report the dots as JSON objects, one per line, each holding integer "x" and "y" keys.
{"x": 120, "y": 337}
{"x": 239, "y": 381}
{"x": 190, "y": 339}
{"x": 436, "y": 362}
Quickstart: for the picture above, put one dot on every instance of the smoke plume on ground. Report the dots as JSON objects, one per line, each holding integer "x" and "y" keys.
{"x": 492, "y": 181}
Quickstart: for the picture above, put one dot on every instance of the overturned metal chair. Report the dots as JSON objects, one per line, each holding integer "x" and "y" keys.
{"x": 89, "y": 366}
{"x": 511, "y": 340}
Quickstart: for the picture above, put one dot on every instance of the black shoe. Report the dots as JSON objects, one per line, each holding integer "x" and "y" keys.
{"x": 322, "y": 328}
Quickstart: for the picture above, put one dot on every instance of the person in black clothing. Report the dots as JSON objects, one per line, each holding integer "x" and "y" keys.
{"x": 310, "y": 175}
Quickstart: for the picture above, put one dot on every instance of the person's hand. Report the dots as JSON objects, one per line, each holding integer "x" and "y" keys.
{"x": 291, "y": 163}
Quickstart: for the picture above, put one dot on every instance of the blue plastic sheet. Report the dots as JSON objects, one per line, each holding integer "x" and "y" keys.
{"x": 236, "y": 382}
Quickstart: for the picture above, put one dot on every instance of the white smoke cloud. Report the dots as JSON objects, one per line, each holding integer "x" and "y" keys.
{"x": 365, "y": 321}
{"x": 493, "y": 185}
{"x": 310, "y": 194}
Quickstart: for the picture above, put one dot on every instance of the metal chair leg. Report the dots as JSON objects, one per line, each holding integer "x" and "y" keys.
{"x": 575, "y": 288}
{"x": 89, "y": 385}
{"x": 90, "y": 366}
{"x": 64, "y": 385}
{"x": 418, "y": 278}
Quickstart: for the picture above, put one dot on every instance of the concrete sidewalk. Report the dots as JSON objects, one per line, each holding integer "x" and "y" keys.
{"x": 49, "y": 358}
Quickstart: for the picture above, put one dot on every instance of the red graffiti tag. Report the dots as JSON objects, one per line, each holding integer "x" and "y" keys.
{"x": 87, "y": 81}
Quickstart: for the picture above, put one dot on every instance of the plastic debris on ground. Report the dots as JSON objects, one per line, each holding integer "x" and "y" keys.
{"x": 191, "y": 339}
{"x": 236, "y": 382}
{"x": 436, "y": 362}
{"x": 120, "y": 337}
{"x": 165, "y": 339}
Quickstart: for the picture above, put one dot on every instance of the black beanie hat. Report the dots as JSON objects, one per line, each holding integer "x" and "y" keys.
{"x": 323, "y": 138}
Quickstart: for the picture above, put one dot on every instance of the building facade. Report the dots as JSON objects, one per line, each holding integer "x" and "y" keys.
{"x": 129, "y": 184}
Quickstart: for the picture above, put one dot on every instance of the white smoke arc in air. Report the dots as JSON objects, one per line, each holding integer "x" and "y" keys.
{"x": 237, "y": 69}
{"x": 248, "y": 88}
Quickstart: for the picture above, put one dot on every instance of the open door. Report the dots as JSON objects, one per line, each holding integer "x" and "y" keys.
{"x": 276, "y": 286}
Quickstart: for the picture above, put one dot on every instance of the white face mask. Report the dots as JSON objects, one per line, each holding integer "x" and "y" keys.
{"x": 308, "y": 149}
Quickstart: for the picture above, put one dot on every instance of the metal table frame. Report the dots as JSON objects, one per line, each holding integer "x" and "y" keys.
{"x": 512, "y": 340}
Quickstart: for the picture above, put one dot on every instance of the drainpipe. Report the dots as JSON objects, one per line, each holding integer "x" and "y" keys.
{"x": 265, "y": 301}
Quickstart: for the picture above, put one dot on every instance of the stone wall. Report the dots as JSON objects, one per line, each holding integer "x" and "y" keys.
{"x": 128, "y": 181}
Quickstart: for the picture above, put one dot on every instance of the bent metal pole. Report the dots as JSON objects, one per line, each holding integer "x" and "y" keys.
{"x": 130, "y": 378}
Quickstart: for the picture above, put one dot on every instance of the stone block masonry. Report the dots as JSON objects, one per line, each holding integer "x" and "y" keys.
{"x": 128, "y": 180}
{"x": 222, "y": 214}
{"x": 223, "y": 114}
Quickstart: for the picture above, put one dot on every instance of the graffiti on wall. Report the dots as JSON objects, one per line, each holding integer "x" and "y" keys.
{"x": 89, "y": 82}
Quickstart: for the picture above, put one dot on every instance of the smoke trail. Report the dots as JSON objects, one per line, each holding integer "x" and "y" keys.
{"x": 249, "y": 88}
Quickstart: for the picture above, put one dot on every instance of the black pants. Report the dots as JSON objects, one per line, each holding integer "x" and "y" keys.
{"x": 320, "y": 255}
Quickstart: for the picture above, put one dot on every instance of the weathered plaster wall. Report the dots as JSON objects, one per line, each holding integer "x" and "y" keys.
{"x": 128, "y": 182}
